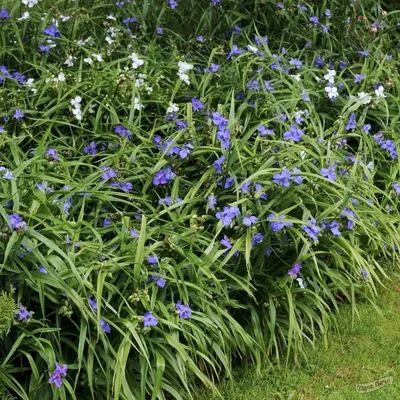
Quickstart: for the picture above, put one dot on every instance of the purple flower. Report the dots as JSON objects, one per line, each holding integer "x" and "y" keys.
{"x": 296, "y": 63}
{"x": 159, "y": 31}
{"x": 334, "y": 228}
{"x": 364, "y": 53}
{"x": 160, "y": 282}
{"x": 295, "y": 270}
{"x": 126, "y": 133}
{"x": 212, "y": 201}
{"x": 163, "y": 176}
{"x": 264, "y": 131}
{"x": 227, "y": 215}
{"x": 215, "y": 2}
{"x": 184, "y": 311}
{"x": 23, "y": 313}
{"x": 253, "y": 85}
{"x": 91, "y": 149}
{"x": 278, "y": 225}
{"x": 149, "y": 320}
{"x": 44, "y": 48}
{"x": 396, "y": 187}
{"x": 358, "y": 78}
{"x": 200, "y": 39}
{"x": 351, "y": 123}
{"x": 17, "y": 222}
{"x": 52, "y": 154}
{"x": 282, "y": 179}
{"x": 268, "y": 86}
{"x": 314, "y": 20}
{"x": 328, "y": 13}
{"x": 126, "y": 186}
{"x": 42, "y": 269}
{"x": 297, "y": 179}
{"x": 60, "y": 372}
{"x": 219, "y": 120}
{"x": 312, "y": 229}
{"x": 235, "y": 51}
{"x": 52, "y": 31}
{"x": 197, "y": 104}
{"x": 329, "y": 173}
{"x": 4, "y": 14}
{"x": 325, "y": 28}
{"x": 366, "y": 128}
{"x": 294, "y": 133}
{"x": 223, "y": 136}
{"x": 346, "y": 214}
{"x": 173, "y": 4}
{"x": 249, "y": 220}
{"x": 18, "y": 114}
{"x": 256, "y": 239}
{"x": 93, "y": 303}
{"x": 218, "y": 164}
{"x": 105, "y": 326}
{"x": 365, "y": 273}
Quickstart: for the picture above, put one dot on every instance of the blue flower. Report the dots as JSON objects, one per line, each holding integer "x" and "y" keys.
{"x": 351, "y": 123}
{"x": 294, "y": 133}
{"x": 23, "y": 313}
{"x": 92, "y": 303}
{"x": 329, "y": 173}
{"x": 163, "y": 176}
{"x": 60, "y": 372}
{"x": 346, "y": 214}
{"x": 227, "y": 215}
{"x": 4, "y": 14}
{"x": 358, "y": 78}
{"x": 197, "y": 104}
{"x": 278, "y": 225}
{"x": 52, "y": 31}
{"x": 184, "y": 311}
{"x": 312, "y": 229}
{"x": 104, "y": 325}
{"x": 282, "y": 179}
{"x": 295, "y": 270}
{"x": 314, "y": 20}
{"x": 18, "y": 114}
{"x": 264, "y": 131}
{"x": 256, "y": 239}
{"x": 218, "y": 164}
{"x": 149, "y": 320}
{"x": 249, "y": 220}
{"x": 212, "y": 201}
{"x": 173, "y": 4}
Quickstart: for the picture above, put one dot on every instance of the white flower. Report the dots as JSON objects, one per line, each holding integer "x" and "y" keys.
{"x": 98, "y": 57}
{"x": 25, "y": 15}
{"x": 109, "y": 40}
{"x": 332, "y": 91}
{"x": 252, "y": 49}
{"x": 30, "y": 3}
{"x": 64, "y": 18}
{"x": 78, "y": 114}
{"x": 112, "y": 31}
{"x": 379, "y": 91}
{"x": 296, "y": 77}
{"x": 330, "y": 76}
{"x": 92, "y": 108}
{"x": 61, "y": 77}
{"x": 301, "y": 283}
{"x": 88, "y": 60}
{"x": 70, "y": 61}
{"x": 317, "y": 79}
{"x": 75, "y": 102}
{"x": 137, "y": 105}
{"x": 172, "y": 108}
{"x": 184, "y": 78}
{"x": 136, "y": 61}
{"x": 184, "y": 66}
{"x": 29, "y": 82}
{"x": 365, "y": 98}
{"x": 111, "y": 17}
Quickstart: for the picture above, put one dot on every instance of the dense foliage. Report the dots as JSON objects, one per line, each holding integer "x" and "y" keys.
{"x": 187, "y": 184}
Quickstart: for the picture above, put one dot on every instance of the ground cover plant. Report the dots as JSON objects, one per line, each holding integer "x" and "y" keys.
{"x": 188, "y": 185}
{"x": 363, "y": 350}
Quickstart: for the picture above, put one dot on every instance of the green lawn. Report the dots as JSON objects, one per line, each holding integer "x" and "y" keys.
{"x": 362, "y": 353}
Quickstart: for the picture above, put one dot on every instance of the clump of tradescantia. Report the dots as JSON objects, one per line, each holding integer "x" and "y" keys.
{"x": 161, "y": 181}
